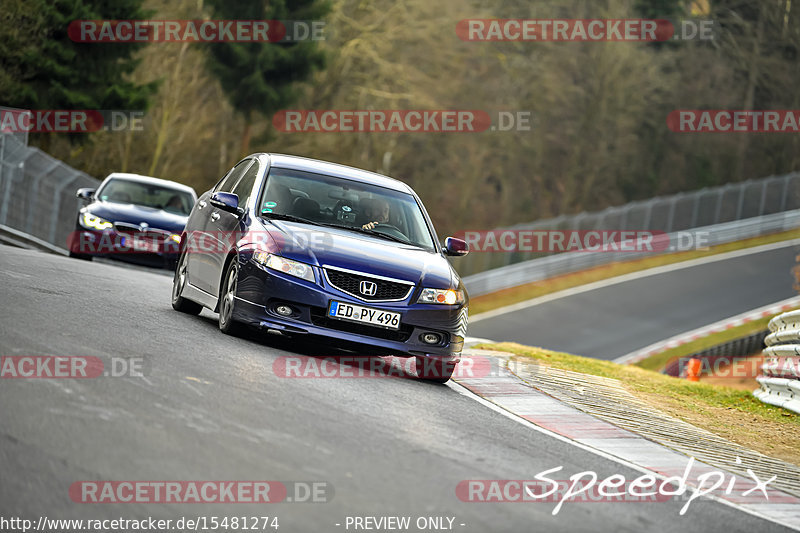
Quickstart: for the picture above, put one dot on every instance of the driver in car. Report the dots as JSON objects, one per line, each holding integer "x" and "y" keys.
{"x": 377, "y": 211}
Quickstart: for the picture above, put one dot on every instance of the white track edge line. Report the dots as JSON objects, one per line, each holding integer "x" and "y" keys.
{"x": 633, "y": 276}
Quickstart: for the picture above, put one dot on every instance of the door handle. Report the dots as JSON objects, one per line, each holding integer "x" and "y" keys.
{"x": 201, "y": 204}
{"x": 214, "y": 216}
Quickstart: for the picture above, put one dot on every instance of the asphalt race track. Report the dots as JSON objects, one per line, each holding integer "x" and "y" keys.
{"x": 211, "y": 408}
{"x": 612, "y": 321}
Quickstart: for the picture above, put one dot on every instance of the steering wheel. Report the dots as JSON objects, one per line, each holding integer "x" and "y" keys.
{"x": 392, "y": 230}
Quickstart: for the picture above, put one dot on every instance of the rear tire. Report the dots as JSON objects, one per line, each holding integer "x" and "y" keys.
{"x": 435, "y": 370}
{"x": 179, "y": 303}
{"x": 227, "y": 301}
{"x": 84, "y": 257}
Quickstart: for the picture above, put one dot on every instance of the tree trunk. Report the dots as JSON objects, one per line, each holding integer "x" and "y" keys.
{"x": 246, "y": 137}
{"x": 750, "y": 94}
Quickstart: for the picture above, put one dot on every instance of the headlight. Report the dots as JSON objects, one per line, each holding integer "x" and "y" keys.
{"x": 441, "y": 296}
{"x": 91, "y": 221}
{"x": 175, "y": 237}
{"x": 287, "y": 266}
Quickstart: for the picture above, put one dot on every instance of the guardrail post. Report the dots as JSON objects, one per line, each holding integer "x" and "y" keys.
{"x": 57, "y": 207}
{"x": 35, "y": 194}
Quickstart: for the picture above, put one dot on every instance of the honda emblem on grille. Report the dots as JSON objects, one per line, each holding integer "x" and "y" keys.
{"x": 368, "y": 288}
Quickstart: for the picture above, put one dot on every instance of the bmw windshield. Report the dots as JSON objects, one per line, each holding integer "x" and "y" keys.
{"x": 335, "y": 202}
{"x": 122, "y": 191}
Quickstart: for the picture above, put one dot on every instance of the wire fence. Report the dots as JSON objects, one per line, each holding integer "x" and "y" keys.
{"x": 669, "y": 214}
{"x": 37, "y": 191}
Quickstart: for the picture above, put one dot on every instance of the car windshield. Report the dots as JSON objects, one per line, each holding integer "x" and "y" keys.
{"x": 122, "y": 191}
{"x": 331, "y": 201}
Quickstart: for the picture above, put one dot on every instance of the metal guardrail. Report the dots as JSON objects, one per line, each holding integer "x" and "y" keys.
{"x": 729, "y": 352}
{"x": 565, "y": 263}
{"x": 37, "y": 191}
{"x": 667, "y": 214}
{"x": 780, "y": 378}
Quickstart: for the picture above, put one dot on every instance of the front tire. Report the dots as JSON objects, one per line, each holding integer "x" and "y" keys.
{"x": 227, "y": 301}
{"x": 435, "y": 369}
{"x": 83, "y": 257}
{"x": 179, "y": 303}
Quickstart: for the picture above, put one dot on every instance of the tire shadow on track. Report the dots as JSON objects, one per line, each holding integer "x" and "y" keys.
{"x": 310, "y": 355}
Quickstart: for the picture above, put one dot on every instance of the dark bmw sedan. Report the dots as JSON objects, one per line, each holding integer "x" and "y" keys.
{"x": 134, "y": 218}
{"x": 298, "y": 246}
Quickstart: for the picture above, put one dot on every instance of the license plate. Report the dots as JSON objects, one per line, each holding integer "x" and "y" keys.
{"x": 143, "y": 245}
{"x": 364, "y": 315}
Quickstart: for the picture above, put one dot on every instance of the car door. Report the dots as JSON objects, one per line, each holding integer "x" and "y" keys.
{"x": 229, "y": 226}
{"x": 204, "y": 240}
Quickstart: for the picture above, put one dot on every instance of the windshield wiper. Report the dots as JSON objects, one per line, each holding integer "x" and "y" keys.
{"x": 290, "y": 218}
{"x": 359, "y": 229}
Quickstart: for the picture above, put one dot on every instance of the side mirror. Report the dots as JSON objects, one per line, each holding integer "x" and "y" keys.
{"x": 227, "y": 202}
{"x": 455, "y": 247}
{"x": 86, "y": 194}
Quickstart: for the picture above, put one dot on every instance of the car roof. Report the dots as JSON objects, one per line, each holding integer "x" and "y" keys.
{"x": 316, "y": 166}
{"x": 152, "y": 181}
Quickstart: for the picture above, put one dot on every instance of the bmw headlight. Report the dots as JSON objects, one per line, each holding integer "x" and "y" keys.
{"x": 441, "y": 296}
{"x": 90, "y": 221}
{"x": 287, "y": 266}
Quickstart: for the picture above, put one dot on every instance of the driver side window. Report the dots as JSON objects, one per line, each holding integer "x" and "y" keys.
{"x": 228, "y": 182}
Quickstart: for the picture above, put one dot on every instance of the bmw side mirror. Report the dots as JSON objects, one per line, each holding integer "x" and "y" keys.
{"x": 227, "y": 202}
{"x": 86, "y": 194}
{"x": 455, "y": 247}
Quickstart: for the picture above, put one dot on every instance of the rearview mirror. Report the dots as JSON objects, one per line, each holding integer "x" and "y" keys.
{"x": 86, "y": 194}
{"x": 455, "y": 247}
{"x": 227, "y": 202}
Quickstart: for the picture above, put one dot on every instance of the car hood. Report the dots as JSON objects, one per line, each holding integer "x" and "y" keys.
{"x": 136, "y": 214}
{"x": 349, "y": 250}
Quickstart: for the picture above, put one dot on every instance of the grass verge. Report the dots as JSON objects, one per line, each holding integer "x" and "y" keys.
{"x": 730, "y": 413}
{"x": 487, "y": 302}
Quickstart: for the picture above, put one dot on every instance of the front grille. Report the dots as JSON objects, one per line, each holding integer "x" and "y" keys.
{"x": 149, "y": 233}
{"x": 384, "y": 290}
{"x": 321, "y": 319}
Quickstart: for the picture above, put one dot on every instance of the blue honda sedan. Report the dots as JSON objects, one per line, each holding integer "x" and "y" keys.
{"x": 298, "y": 246}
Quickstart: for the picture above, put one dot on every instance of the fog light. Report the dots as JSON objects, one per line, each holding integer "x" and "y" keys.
{"x": 431, "y": 338}
{"x": 284, "y": 310}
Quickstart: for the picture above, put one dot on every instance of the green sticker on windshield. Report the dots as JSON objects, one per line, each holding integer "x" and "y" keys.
{"x": 268, "y": 207}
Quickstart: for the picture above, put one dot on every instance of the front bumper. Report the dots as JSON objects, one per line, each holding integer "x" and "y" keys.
{"x": 261, "y": 290}
{"x": 117, "y": 245}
